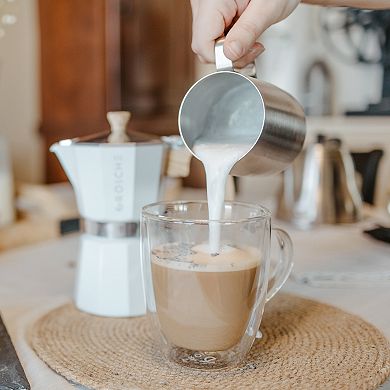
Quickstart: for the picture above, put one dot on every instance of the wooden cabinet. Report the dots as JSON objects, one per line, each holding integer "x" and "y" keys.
{"x": 101, "y": 55}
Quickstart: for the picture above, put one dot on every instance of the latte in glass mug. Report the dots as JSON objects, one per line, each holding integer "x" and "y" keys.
{"x": 204, "y": 302}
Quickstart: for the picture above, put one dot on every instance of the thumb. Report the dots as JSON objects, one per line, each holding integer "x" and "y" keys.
{"x": 256, "y": 18}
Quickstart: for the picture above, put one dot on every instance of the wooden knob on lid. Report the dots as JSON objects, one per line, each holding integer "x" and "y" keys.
{"x": 118, "y": 121}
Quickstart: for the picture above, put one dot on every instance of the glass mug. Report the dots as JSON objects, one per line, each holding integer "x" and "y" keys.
{"x": 206, "y": 309}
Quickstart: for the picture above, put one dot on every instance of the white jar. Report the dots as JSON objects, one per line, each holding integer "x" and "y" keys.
{"x": 7, "y": 211}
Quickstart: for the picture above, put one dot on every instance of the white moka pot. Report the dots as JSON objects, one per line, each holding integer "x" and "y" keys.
{"x": 113, "y": 176}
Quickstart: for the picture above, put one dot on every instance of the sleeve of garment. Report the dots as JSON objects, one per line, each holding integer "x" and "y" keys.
{"x": 367, "y": 4}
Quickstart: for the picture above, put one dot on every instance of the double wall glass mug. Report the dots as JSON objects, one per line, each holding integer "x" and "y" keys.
{"x": 205, "y": 309}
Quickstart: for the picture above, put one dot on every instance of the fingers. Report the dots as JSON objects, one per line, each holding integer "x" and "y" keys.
{"x": 194, "y": 8}
{"x": 210, "y": 19}
{"x": 254, "y": 52}
{"x": 256, "y": 18}
{"x": 206, "y": 28}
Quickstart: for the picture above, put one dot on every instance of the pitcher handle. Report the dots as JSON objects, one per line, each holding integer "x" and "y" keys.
{"x": 284, "y": 265}
{"x": 221, "y": 61}
{"x": 224, "y": 63}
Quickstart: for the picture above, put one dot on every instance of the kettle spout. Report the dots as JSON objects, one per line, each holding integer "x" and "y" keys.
{"x": 65, "y": 155}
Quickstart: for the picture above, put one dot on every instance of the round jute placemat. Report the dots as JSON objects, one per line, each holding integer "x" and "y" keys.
{"x": 305, "y": 345}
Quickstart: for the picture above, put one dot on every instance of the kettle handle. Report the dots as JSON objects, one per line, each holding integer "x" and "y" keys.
{"x": 223, "y": 63}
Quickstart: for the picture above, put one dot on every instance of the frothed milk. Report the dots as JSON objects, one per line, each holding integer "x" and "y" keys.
{"x": 204, "y": 302}
{"x": 218, "y": 160}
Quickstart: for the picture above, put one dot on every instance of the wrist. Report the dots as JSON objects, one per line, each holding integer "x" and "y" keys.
{"x": 282, "y": 9}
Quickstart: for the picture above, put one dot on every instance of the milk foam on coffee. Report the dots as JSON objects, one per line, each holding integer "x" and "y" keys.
{"x": 218, "y": 159}
{"x": 204, "y": 302}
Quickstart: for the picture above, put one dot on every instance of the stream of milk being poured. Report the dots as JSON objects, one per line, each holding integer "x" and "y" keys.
{"x": 218, "y": 159}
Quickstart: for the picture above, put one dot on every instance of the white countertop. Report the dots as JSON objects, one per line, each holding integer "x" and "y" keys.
{"x": 35, "y": 279}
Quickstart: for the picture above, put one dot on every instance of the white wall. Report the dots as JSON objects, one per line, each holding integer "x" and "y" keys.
{"x": 19, "y": 93}
{"x": 293, "y": 44}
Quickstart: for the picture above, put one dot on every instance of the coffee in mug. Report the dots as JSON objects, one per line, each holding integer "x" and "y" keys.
{"x": 210, "y": 306}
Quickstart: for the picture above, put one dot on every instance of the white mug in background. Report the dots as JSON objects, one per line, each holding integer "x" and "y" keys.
{"x": 7, "y": 211}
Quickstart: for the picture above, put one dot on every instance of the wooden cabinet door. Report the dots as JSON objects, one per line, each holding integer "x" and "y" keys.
{"x": 73, "y": 72}
{"x": 101, "y": 55}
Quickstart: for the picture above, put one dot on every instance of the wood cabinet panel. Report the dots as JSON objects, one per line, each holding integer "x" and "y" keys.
{"x": 101, "y": 55}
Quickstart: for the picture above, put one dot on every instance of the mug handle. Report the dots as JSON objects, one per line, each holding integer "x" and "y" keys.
{"x": 224, "y": 63}
{"x": 284, "y": 266}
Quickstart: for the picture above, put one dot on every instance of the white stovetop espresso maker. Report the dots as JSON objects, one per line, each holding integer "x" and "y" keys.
{"x": 113, "y": 175}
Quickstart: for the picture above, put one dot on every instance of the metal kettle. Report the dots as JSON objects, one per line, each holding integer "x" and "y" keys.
{"x": 320, "y": 187}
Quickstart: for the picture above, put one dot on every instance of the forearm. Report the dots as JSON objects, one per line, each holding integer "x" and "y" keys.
{"x": 369, "y": 4}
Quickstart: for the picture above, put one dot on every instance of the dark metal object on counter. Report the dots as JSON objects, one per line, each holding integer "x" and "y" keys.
{"x": 12, "y": 376}
{"x": 352, "y": 34}
{"x": 380, "y": 233}
{"x": 70, "y": 225}
{"x": 367, "y": 164}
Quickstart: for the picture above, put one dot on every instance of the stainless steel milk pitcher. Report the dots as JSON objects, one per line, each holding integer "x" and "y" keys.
{"x": 234, "y": 108}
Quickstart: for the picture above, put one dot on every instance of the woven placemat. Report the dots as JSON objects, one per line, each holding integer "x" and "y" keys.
{"x": 305, "y": 345}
